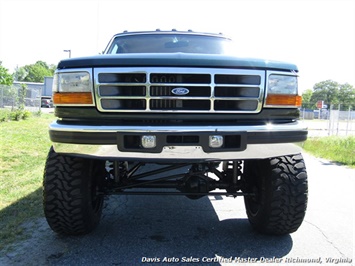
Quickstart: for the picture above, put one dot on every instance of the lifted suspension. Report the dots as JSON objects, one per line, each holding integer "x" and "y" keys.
{"x": 191, "y": 180}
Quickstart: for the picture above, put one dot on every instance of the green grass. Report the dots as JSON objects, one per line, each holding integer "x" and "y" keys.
{"x": 337, "y": 149}
{"x": 24, "y": 146}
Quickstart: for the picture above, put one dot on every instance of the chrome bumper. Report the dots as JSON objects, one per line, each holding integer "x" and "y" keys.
{"x": 262, "y": 141}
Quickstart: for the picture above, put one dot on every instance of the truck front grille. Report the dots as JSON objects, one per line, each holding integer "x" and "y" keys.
{"x": 180, "y": 90}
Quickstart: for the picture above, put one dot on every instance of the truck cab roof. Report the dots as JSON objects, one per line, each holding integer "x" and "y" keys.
{"x": 169, "y": 42}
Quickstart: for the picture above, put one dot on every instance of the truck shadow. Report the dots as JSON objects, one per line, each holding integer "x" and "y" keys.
{"x": 136, "y": 229}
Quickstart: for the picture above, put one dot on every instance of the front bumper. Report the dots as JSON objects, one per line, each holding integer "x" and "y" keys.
{"x": 108, "y": 142}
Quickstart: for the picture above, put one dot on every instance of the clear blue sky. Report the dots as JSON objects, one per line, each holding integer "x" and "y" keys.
{"x": 317, "y": 35}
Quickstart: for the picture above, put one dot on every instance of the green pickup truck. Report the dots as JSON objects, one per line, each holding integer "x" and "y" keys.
{"x": 179, "y": 103}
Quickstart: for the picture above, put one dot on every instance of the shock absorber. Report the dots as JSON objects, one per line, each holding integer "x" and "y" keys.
{"x": 233, "y": 172}
{"x": 116, "y": 171}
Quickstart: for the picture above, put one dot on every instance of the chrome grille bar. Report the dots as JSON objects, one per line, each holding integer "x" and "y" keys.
{"x": 182, "y": 90}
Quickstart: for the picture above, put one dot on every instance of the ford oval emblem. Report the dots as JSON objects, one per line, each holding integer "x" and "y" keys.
{"x": 180, "y": 91}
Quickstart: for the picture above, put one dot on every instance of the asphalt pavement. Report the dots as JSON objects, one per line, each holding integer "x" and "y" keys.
{"x": 212, "y": 230}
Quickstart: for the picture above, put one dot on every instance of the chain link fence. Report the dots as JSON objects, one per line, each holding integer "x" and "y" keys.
{"x": 20, "y": 95}
{"x": 332, "y": 122}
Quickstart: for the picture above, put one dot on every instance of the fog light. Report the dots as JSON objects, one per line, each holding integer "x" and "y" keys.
{"x": 149, "y": 141}
{"x": 216, "y": 141}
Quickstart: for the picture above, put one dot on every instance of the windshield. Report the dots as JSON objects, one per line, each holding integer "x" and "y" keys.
{"x": 169, "y": 43}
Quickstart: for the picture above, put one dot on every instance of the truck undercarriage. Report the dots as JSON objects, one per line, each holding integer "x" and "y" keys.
{"x": 191, "y": 180}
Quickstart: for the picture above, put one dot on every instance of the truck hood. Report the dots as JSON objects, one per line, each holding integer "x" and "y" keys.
{"x": 174, "y": 60}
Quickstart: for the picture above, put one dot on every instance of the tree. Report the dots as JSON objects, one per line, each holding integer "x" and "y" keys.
{"x": 346, "y": 96}
{"x": 35, "y": 72}
{"x": 331, "y": 92}
{"x": 326, "y": 91}
{"x": 306, "y": 99}
{"x": 5, "y": 77}
{"x": 20, "y": 73}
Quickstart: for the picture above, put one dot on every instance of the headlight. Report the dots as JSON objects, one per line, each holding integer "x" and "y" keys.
{"x": 71, "y": 82}
{"x": 72, "y": 88}
{"x": 282, "y": 90}
{"x": 278, "y": 84}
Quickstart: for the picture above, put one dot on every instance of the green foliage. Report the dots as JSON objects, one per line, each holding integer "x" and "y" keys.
{"x": 22, "y": 96}
{"x": 338, "y": 149}
{"x": 17, "y": 115}
{"x": 20, "y": 73}
{"x": 5, "y": 76}
{"x": 35, "y": 72}
{"x": 306, "y": 99}
{"x": 346, "y": 96}
{"x": 331, "y": 92}
{"x": 326, "y": 91}
{"x": 4, "y": 115}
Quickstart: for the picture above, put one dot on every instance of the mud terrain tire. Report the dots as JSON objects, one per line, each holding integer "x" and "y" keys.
{"x": 281, "y": 193}
{"x": 71, "y": 200}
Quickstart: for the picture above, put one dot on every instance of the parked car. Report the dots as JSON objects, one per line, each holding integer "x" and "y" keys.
{"x": 46, "y": 102}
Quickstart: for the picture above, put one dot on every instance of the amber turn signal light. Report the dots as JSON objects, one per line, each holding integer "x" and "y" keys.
{"x": 72, "y": 98}
{"x": 284, "y": 100}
